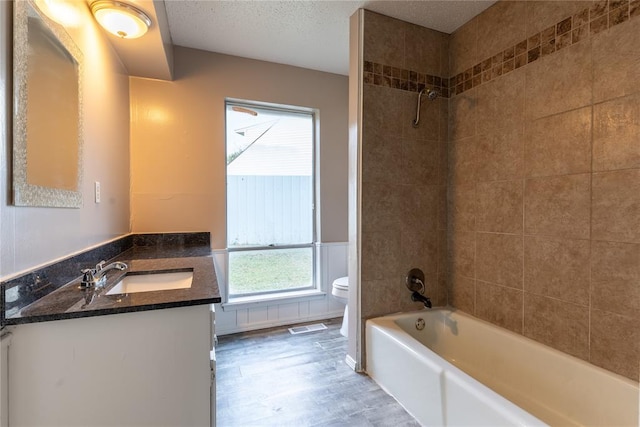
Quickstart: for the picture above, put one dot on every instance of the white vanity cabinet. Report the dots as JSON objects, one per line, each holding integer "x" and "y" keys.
{"x": 146, "y": 368}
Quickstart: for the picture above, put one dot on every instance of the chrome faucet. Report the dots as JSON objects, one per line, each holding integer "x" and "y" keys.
{"x": 92, "y": 277}
{"x": 417, "y": 297}
{"x": 415, "y": 283}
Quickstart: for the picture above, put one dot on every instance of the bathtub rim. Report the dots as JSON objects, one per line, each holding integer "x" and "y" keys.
{"x": 390, "y": 326}
{"x": 391, "y": 319}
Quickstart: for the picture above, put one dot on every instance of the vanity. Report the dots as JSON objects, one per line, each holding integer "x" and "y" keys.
{"x": 137, "y": 350}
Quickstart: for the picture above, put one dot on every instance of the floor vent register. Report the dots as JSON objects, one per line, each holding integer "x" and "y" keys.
{"x": 307, "y": 328}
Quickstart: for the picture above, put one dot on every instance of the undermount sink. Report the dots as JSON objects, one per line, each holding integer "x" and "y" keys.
{"x": 152, "y": 282}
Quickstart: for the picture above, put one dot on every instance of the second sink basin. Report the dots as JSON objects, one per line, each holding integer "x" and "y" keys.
{"x": 152, "y": 282}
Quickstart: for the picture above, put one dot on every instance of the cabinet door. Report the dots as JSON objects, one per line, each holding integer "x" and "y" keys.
{"x": 212, "y": 364}
{"x": 145, "y": 368}
{"x": 5, "y": 339}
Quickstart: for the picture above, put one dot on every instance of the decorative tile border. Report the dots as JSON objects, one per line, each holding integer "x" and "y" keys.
{"x": 592, "y": 20}
{"x": 571, "y": 30}
{"x": 398, "y": 78}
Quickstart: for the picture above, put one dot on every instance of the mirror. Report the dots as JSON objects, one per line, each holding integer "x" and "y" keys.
{"x": 47, "y": 128}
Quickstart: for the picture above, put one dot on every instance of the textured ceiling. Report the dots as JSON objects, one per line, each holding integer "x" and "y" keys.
{"x": 309, "y": 34}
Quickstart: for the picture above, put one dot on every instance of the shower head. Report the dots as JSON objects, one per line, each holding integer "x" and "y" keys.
{"x": 431, "y": 94}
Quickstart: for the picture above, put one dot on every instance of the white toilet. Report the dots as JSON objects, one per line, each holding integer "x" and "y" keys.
{"x": 340, "y": 290}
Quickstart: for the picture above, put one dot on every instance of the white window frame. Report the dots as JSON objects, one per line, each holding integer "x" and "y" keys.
{"x": 314, "y": 288}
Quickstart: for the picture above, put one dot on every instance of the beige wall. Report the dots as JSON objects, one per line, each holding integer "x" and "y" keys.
{"x": 177, "y": 139}
{"x": 403, "y": 181}
{"x": 544, "y": 181}
{"x": 32, "y": 236}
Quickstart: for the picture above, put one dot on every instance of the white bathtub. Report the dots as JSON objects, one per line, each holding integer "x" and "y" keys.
{"x": 462, "y": 371}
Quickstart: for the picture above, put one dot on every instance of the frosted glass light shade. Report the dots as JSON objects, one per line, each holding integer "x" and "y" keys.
{"x": 121, "y": 19}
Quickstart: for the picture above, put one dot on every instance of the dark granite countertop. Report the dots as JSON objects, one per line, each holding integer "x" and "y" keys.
{"x": 72, "y": 301}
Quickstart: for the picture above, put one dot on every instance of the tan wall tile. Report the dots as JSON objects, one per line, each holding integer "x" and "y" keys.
{"x": 612, "y": 260}
{"x": 463, "y": 48}
{"x": 543, "y": 14}
{"x": 558, "y": 206}
{"x": 499, "y": 305}
{"x": 462, "y": 207}
{"x": 463, "y": 115}
{"x": 557, "y": 268}
{"x": 420, "y": 158}
{"x": 501, "y": 26}
{"x": 462, "y": 293}
{"x": 380, "y": 160}
{"x": 558, "y": 324}
{"x": 370, "y": 302}
{"x": 443, "y": 165}
{"x": 616, "y": 133}
{"x": 615, "y": 273}
{"x": 499, "y": 259}
{"x": 559, "y": 82}
{"x": 500, "y": 155}
{"x": 559, "y": 144}
{"x": 462, "y": 246}
{"x": 617, "y": 296}
{"x": 614, "y": 343}
{"x": 439, "y": 295}
{"x": 424, "y": 50}
{"x": 616, "y": 54}
{"x": 383, "y": 110}
{"x": 381, "y": 204}
{"x": 444, "y": 121}
{"x": 444, "y": 56}
{"x": 419, "y": 250}
{"x": 442, "y": 207}
{"x": 500, "y": 104}
{"x": 417, "y": 207}
{"x": 380, "y": 297}
{"x": 616, "y": 206}
{"x": 443, "y": 254}
{"x": 384, "y": 39}
{"x": 381, "y": 253}
{"x": 499, "y": 207}
{"x": 463, "y": 160}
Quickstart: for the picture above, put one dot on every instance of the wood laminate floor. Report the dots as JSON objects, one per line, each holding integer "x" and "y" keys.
{"x": 273, "y": 378}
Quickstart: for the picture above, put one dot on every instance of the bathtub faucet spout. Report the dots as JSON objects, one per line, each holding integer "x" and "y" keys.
{"x": 417, "y": 297}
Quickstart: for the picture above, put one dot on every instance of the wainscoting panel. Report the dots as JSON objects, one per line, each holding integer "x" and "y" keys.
{"x": 332, "y": 263}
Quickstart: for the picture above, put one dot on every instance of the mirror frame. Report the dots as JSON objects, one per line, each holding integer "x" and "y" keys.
{"x": 25, "y": 194}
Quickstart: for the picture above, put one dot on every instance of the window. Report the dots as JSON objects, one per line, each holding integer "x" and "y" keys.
{"x": 270, "y": 199}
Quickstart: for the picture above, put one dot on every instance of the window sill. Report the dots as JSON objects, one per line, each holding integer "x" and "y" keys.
{"x": 240, "y": 303}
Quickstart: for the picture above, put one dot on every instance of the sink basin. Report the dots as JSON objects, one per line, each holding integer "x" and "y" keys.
{"x": 152, "y": 282}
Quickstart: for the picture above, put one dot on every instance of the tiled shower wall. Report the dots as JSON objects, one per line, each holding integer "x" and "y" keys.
{"x": 541, "y": 163}
{"x": 544, "y": 183}
{"x": 403, "y": 168}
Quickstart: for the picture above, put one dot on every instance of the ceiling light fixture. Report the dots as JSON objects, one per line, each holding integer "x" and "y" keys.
{"x": 121, "y": 19}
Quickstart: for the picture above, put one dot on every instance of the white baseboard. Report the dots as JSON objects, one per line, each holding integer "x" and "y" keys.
{"x": 352, "y": 363}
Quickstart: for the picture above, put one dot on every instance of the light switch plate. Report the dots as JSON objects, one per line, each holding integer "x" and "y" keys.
{"x": 97, "y": 191}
